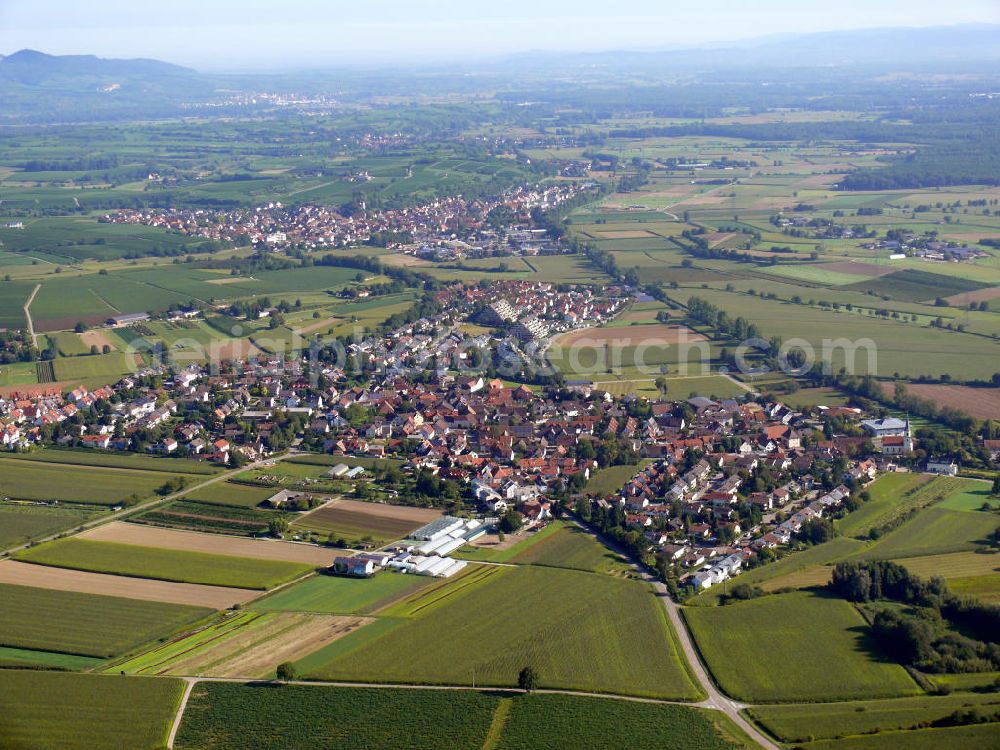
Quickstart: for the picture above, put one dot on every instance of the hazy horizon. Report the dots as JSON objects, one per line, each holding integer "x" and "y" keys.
{"x": 252, "y": 36}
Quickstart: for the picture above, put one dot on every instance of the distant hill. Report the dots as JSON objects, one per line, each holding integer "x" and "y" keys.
{"x": 33, "y": 68}
{"x": 900, "y": 47}
{"x": 37, "y": 87}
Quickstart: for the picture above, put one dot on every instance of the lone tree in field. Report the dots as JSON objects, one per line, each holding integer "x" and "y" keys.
{"x": 528, "y": 679}
{"x": 286, "y": 671}
{"x": 996, "y": 486}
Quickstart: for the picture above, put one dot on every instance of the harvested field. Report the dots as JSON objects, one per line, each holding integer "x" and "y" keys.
{"x": 97, "y": 338}
{"x": 856, "y": 269}
{"x": 256, "y": 650}
{"x": 195, "y": 541}
{"x": 59, "y": 579}
{"x": 317, "y": 325}
{"x": 981, "y": 403}
{"x": 623, "y": 234}
{"x": 641, "y": 316}
{"x": 978, "y": 295}
{"x": 656, "y": 335}
{"x": 351, "y": 517}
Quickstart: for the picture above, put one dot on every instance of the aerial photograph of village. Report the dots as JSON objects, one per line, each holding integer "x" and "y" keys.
{"x": 544, "y": 376}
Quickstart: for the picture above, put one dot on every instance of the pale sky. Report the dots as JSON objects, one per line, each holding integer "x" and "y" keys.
{"x": 286, "y": 34}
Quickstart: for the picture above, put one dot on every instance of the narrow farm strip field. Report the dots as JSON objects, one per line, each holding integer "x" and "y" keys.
{"x": 58, "y": 579}
{"x": 164, "y": 564}
{"x": 255, "y": 649}
{"x": 85, "y": 711}
{"x": 193, "y": 541}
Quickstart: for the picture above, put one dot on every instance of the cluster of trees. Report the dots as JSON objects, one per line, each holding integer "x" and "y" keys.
{"x": 939, "y": 632}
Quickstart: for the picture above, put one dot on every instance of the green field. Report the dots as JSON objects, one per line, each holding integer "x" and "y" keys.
{"x": 21, "y": 523}
{"x": 231, "y": 493}
{"x": 31, "y": 658}
{"x": 164, "y": 564}
{"x": 886, "y": 494}
{"x": 35, "y": 480}
{"x": 790, "y": 565}
{"x": 573, "y": 547}
{"x": 794, "y": 647}
{"x": 610, "y": 480}
{"x": 46, "y": 710}
{"x": 338, "y": 595}
{"x": 86, "y": 457}
{"x": 953, "y": 738}
{"x": 85, "y": 624}
{"x": 612, "y": 621}
{"x": 551, "y": 722}
{"x": 815, "y": 721}
{"x": 239, "y": 717}
{"x": 935, "y": 531}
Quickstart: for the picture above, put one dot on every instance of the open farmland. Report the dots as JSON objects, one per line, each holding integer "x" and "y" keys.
{"x": 896, "y": 496}
{"x": 573, "y": 547}
{"x": 246, "y": 645}
{"x": 791, "y": 567}
{"x": 355, "y": 520}
{"x": 223, "y": 716}
{"x": 975, "y": 737}
{"x": 85, "y": 712}
{"x": 231, "y": 493}
{"x": 935, "y": 531}
{"x": 197, "y": 516}
{"x": 893, "y": 342}
{"x": 981, "y": 403}
{"x": 35, "y": 480}
{"x": 164, "y": 564}
{"x": 802, "y": 723}
{"x": 145, "y": 589}
{"x": 21, "y": 523}
{"x": 78, "y": 623}
{"x": 569, "y": 721}
{"x": 109, "y": 459}
{"x": 818, "y": 641}
{"x": 193, "y": 541}
{"x": 341, "y": 595}
{"x": 614, "y": 621}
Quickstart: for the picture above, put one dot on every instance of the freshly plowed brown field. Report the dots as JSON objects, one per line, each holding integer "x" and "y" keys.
{"x": 981, "y": 403}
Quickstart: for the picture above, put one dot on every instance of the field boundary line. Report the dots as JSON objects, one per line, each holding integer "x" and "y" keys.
{"x": 188, "y": 687}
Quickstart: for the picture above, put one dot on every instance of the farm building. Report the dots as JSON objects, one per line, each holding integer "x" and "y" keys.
{"x": 120, "y": 321}
{"x": 338, "y": 471}
{"x": 356, "y": 567}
